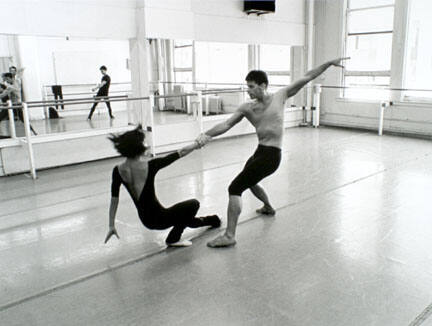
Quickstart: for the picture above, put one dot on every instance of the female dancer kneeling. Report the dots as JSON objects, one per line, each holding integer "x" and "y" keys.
{"x": 137, "y": 174}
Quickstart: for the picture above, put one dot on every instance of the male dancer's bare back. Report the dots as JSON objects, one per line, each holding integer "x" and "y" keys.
{"x": 266, "y": 114}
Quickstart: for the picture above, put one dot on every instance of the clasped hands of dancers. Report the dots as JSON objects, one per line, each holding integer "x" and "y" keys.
{"x": 137, "y": 173}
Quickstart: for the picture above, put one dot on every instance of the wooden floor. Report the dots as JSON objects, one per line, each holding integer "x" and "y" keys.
{"x": 350, "y": 244}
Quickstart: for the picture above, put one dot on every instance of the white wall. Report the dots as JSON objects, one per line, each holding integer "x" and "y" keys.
{"x": 205, "y": 20}
{"x": 224, "y": 21}
{"x": 77, "y": 61}
{"x": 78, "y": 18}
{"x": 8, "y": 47}
{"x": 29, "y": 58}
{"x": 408, "y": 118}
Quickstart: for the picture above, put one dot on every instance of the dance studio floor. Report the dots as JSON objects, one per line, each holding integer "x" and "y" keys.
{"x": 350, "y": 243}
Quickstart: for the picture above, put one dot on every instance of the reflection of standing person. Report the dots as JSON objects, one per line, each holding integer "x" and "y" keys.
{"x": 13, "y": 92}
{"x": 3, "y": 112}
{"x": 102, "y": 93}
{"x": 16, "y": 76}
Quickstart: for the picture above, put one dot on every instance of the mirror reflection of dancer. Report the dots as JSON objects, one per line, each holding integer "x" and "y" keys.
{"x": 137, "y": 173}
{"x": 17, "y": 77}
{"x": 11, "y": 90}
{"x": 266, "y": 114}
{"x": 102, "y": 94}
{"x": 4, "y": 97}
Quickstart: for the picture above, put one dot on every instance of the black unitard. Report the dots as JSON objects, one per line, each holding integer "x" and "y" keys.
{"x": 152, "y": 214}
{"x": 261, "y": 164}
{"x": 101, "y": 94}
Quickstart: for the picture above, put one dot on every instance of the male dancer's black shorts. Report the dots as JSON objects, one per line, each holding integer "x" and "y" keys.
{"x": 261, "y": 164}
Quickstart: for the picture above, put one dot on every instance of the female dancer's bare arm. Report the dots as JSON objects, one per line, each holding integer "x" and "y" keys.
{"x": 189, "y": 148}
{"x": 112, "y": 215}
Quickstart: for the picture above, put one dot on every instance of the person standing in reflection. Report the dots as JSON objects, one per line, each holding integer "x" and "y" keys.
{"x": 3, "y": 105}
{"x": 16, "y": 76}
{"x": 13, "y": 92}
{"x": 102, "y": 93}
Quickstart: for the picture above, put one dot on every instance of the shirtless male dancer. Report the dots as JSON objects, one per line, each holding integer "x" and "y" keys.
{"x": 266, "y": 114}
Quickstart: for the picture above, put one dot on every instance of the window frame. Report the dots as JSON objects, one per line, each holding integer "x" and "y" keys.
{"x": 285, "y": 73}
{"x": 365, "y": 73}
{"x": 404, "y": 97}
{"x": 184, "y": 69}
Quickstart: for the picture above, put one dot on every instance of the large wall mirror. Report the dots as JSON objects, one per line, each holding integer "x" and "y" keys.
{"x": 67, "y": 69}
{"x": 181, "y": 66}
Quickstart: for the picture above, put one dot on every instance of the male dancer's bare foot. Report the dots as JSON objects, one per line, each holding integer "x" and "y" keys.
{"x": 221, "y": 241}
{"x": 266, "y": 210}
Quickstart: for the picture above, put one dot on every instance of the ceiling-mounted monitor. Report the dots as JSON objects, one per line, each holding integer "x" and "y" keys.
{"x": 259, "y": 7}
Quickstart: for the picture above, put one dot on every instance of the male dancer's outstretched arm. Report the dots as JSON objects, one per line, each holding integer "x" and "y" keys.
{"x": 226, "y": 125}
{"x": 293, "y": 89}
{"x": 222, "y": 127}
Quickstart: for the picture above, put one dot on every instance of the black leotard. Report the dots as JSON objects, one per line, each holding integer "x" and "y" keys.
{"x": 147, "y": 203}
{"x": 152, "y": 214}
{"x": 261, "y": 164}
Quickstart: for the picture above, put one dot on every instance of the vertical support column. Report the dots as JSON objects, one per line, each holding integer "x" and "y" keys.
{"x": 253, "y": 57}
{"x": 399, "y": 50}
{"x": 11, "y": 120}
{"x": 44, "y": 99}
{"x": 139, "y": 76}
{"x": 193, "y": 66}
{"x": 161, "y": 101}
{"x": 310, "y": 45}
{"x": 200, "y": 109}
{"x": 161, "y": 73}
{"x": 316, "y": 105}
{"x": 29, "y": 140}
{"x": 297, "y": 72}
{"x": 130, "y": 112}
{"x": 150, "y": 125}
{"x": 169, "y": 65}
{"x": 153, "y": 63}
{"x": 206, "y": 103}
{"x": 31, "y": 77}
{"x": 383, "y": 105}
{"x": 139, "y": 51}
{"x": 304, "y": 119}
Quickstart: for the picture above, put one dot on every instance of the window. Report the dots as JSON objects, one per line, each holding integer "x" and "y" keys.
{"x": 275, "y": 60}
{"x": 418, "y": 66}
{"x": 221, "y": 63}
{"x": 369, "y": 32}
{"x": 183, "y": 61}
